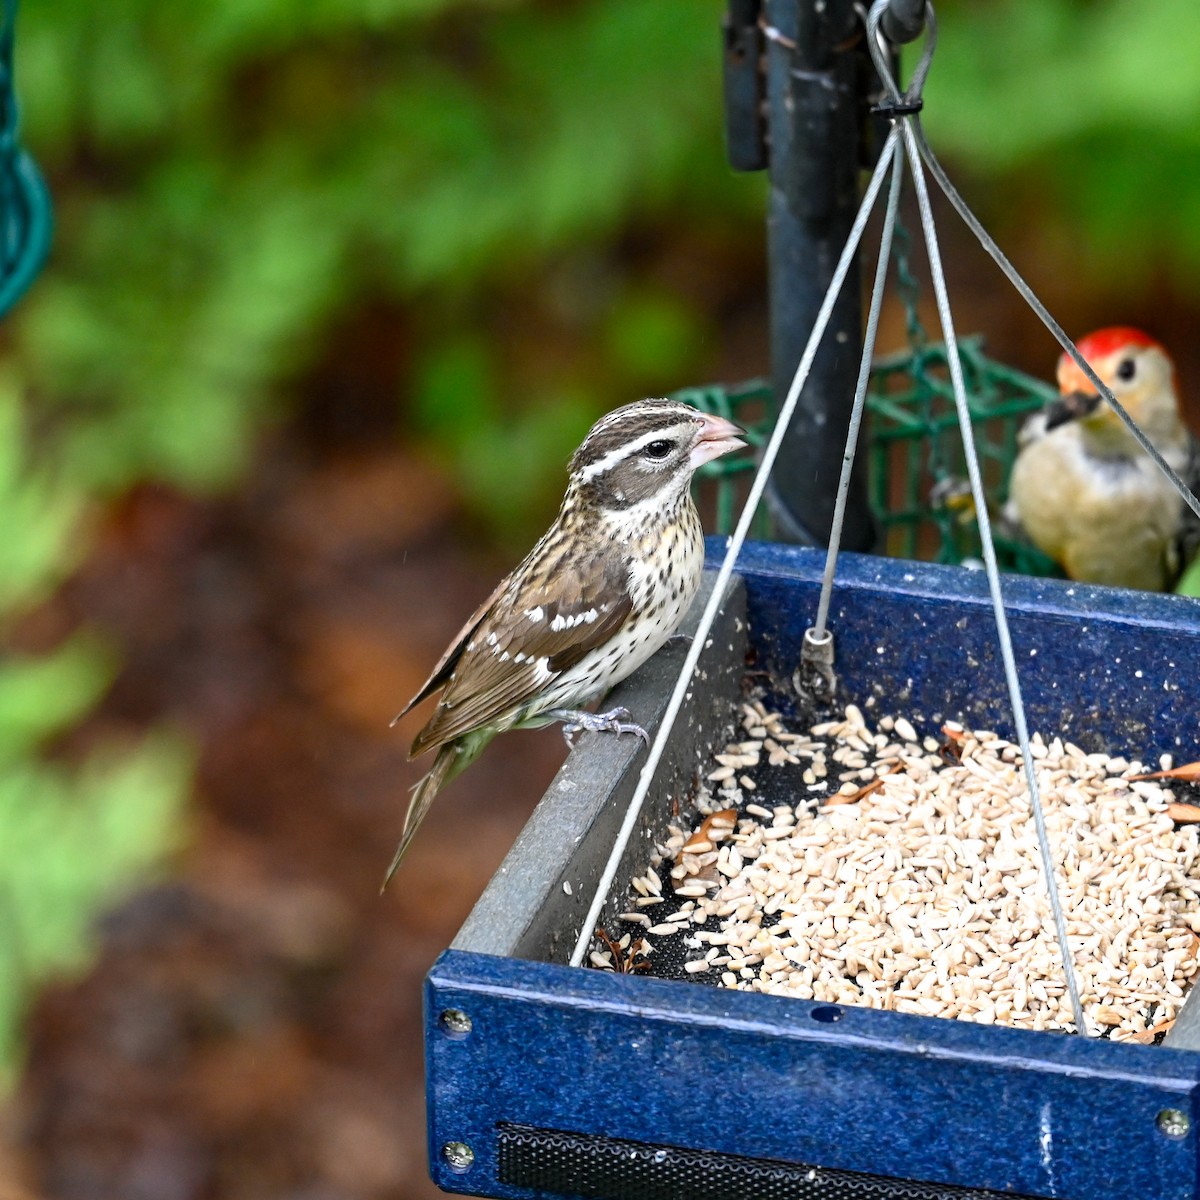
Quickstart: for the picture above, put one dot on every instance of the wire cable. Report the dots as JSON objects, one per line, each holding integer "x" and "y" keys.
{"x": 909, "y": 123}
{"x": 818, "y": 631}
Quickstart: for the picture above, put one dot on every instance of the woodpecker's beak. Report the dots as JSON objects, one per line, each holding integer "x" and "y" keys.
{"x": 716, "y": 437}
{"x": 1071, "y": 406}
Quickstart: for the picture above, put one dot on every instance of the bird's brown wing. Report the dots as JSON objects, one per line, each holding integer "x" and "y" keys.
{"x": 550, "y": 629}
{"x": 446, "y": 664}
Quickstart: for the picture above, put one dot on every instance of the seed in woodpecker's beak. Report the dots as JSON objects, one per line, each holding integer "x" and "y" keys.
{"x": 1071, "y": 406}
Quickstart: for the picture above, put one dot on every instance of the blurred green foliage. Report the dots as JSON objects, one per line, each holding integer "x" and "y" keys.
{"x": 72, "y": 838}
{"x": 1189, "y": 583}
{"x": 1095, "y": 106}
{"x": 237, "y": 173}
{"x": 235, "y": 178}
{"x": 69, "y": 836}
{"x": 41, "y": 510}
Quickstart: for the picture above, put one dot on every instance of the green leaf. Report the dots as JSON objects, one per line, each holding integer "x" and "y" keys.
{"x": 43, "y": 696}
{"x": 73, "y": 844}
{"x": 1189, "y": 581}
{"x": 455, "y": 391}
{"x": 38, "y": 511}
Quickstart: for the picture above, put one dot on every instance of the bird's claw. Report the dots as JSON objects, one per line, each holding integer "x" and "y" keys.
{"x": 614, "y": 721}
{"x": 617, "y": 721}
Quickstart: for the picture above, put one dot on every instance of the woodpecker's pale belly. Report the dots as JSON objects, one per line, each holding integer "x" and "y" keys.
{"x": 1114, "y": 526}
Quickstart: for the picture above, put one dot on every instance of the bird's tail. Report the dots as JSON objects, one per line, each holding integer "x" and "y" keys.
{"x": 453, "y": 757}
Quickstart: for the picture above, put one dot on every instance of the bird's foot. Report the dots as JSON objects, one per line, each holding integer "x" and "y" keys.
{"x": 616, "y": 720}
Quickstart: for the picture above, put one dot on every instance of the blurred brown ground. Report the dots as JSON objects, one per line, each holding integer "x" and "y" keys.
{"x": 252, "y": 1026}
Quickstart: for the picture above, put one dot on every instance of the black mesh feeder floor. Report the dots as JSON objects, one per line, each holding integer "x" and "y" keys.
{"x": 550, "y": 1080}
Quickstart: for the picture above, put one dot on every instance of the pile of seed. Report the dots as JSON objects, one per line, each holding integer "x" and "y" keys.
{"x": 912, "y": 881}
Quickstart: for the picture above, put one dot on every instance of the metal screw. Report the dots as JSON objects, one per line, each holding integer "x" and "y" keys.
{"x": 458, "y": 1155}
{"x": 455, "y": 1023}
{"x": 1174, "y": 1122}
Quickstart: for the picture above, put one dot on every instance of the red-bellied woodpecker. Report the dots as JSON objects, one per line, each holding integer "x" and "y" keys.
{"x": 1082, "y": 488}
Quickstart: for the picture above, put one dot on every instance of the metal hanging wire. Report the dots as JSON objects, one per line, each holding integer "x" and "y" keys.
{"x": 905, "y": 140}
{"x": 911, "y": 101}
{"x": 903, "y": 108}
{"x": 818, "y": 641}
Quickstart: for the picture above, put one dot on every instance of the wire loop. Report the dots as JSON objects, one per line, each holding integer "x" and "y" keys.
{"x": 898, "y": 101}
{"x": 26, "y": 220}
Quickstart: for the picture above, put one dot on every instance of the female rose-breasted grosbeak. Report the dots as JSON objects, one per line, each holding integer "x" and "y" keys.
{"x": 605, "y": 587}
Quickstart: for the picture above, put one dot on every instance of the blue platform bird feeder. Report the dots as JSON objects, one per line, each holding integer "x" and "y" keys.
{"x": 545, "y": 1079}
{"x": 548, "y": 1080}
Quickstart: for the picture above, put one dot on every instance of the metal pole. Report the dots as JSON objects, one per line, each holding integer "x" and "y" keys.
{"x": 814, "y": 128}
{"x": 804, "y": 117}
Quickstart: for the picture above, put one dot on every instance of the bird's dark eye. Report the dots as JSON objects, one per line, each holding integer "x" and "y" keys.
{"x": 1126, "y": 369}
{"x": 659, "y": 449}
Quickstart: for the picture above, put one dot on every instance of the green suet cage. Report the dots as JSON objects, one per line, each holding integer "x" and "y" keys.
{"x": 917, "y": 480}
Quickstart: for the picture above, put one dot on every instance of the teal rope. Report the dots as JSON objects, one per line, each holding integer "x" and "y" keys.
{"x": 26, "y": 222}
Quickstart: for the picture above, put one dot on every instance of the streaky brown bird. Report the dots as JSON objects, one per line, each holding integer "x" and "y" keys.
{"x": 603, "y": 589}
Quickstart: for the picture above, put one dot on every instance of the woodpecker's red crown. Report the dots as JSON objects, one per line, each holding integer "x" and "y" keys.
{"x": 1098, "y": 348}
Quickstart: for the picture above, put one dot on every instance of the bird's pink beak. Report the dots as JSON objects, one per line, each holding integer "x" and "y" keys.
{"x": 717, "y": 436}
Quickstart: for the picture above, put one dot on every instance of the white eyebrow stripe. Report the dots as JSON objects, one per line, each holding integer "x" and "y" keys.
{"x": 621, "y": 452}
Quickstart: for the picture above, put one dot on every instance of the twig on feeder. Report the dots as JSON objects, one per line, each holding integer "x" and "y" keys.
{"x": 948, "y": 750}
{"x": 1188, "y": 773}
{"x": 627, "y": 959}
{"x": 1146, "y": 1036}
{"x": 711, "y": 830}
{"x": 865, "y": 790}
